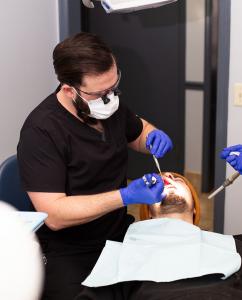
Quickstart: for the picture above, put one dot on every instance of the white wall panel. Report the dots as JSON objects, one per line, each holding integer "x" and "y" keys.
{"x": 28, "y": 33}
{"x": 193, "y": 131}
{"x": 195, "y": 30}
{"x": 233, "y": 195}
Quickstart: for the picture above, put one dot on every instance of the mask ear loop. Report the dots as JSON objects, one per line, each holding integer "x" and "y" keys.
{"x": 80, "y": 103}
{"x": 82, "y": 109}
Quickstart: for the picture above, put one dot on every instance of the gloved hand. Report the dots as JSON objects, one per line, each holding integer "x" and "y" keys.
{"x": 234, "y": 160}
{"x": 146, "y": 190}
{"x": 158, "y": 142}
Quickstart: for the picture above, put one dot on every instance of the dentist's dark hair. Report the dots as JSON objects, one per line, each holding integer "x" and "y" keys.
{"x": 79, "y": 55}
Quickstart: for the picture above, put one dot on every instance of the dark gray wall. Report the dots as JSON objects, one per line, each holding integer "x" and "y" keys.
{"x": 150, "y": 47}
{"x": 69, "y": 17}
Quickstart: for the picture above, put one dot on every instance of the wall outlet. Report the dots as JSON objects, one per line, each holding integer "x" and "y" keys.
{"x": 238, "y": 94}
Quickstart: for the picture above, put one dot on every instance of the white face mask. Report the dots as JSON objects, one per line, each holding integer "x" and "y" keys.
{"x": 98, "y": 109}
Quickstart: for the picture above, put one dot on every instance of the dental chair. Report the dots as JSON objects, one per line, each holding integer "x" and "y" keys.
{"x": 10, "y": 187}
{"x": 144, "y": 208}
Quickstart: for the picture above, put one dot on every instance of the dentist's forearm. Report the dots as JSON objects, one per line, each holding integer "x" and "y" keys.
{"x": 140, "y": 143}
{"x": 66, "y": 211}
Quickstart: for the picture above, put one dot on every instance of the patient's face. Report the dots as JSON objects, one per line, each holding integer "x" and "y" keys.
{"x": 178, "y": 198}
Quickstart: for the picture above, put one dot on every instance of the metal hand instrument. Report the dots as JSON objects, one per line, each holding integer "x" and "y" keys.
{"x": 226, "y": 183}
{"x": 167, "y": 180}
{"x": 157, "y": 163}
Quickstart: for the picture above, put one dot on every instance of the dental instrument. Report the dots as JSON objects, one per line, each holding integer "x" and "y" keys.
{"x": 149, "y": 183}
{"x": 166, "y": 180}
{"x": 226, "y": 183}
{"x": 228, "y": 180}
{"x": 157, "y": 164}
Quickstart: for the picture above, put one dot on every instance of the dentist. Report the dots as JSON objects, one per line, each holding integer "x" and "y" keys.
{"x": 73, "y": 157}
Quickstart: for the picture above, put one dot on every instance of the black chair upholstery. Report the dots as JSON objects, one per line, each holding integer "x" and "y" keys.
{"x": 10, "y": 187}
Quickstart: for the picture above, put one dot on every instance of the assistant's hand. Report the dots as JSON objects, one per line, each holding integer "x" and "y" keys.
{"x": 146, "y": 190}
{"x": 158, "y": 142}
{"x": 234, "y": 160}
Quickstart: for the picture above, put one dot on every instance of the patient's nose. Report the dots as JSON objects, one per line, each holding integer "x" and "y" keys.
{"x": 169, "y": 175}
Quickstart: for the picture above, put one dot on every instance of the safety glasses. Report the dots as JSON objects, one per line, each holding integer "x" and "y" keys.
{"x": 112, "y": 89}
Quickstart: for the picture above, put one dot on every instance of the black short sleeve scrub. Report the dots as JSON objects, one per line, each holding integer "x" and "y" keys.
{"x": 58, "y": 153}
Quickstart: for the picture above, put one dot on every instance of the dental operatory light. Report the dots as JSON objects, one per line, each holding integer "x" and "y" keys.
{"x": 112, "y": 6}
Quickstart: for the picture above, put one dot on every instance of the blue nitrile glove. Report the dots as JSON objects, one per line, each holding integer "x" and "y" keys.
{"x": 234, "y": 160}
{"x": 158, "y": 142}
{"x": 146, "y": 190}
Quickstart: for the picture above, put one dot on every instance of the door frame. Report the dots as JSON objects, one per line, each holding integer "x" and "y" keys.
{"x": 224, "y": 10}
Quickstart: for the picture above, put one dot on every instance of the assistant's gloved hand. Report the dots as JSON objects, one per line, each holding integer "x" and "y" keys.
{"x": 146, "y": 190}
{"x": 234, "y": 160}
{"x": 158, "y": 142}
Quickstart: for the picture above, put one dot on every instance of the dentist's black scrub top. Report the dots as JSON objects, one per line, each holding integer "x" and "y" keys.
{"x": 58, "y": 153}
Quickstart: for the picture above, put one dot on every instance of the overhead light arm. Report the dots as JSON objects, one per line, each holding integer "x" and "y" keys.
{"x": 111, "y": 6}
{"x": 88, "y": 3}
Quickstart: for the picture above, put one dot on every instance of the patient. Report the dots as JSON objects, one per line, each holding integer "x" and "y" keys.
{"x": 181, "y": 203}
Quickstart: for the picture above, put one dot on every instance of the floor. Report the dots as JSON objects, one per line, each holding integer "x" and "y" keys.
{"x": 206, "y": 221}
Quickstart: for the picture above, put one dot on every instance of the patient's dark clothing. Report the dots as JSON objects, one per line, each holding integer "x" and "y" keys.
{"x": 202, "y": 288}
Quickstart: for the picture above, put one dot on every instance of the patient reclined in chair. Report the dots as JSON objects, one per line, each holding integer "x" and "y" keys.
{"x": 181, "y": 202}
{"x": 173, "y": 269}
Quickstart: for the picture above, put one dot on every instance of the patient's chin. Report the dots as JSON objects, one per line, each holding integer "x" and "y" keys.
{"x": 174, "y": 203}
{"x": 173, "y": 199}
